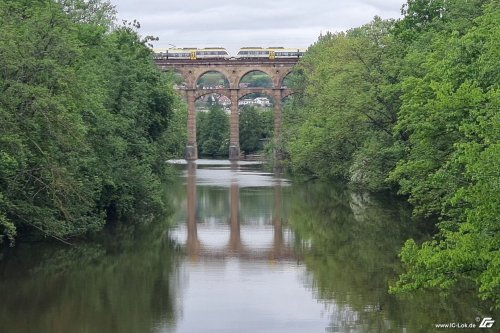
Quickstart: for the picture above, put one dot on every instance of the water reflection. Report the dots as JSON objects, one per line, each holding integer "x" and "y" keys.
{"x": 350, "y": 242}
{"x": 210, "y": 217}
{"x": 245, "y": 252}
{"x": 242, "y": 273}
{"x": 127, "y": 282}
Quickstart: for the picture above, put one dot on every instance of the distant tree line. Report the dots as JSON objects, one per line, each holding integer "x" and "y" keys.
{"x": 87, "y": 121}
{"x": 412, "y": 105}
{"x": 213, "y": 130}
{"x": 212, "y": 135}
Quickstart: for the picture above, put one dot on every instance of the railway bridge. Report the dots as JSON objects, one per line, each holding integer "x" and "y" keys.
{"x": 233, "y": 70}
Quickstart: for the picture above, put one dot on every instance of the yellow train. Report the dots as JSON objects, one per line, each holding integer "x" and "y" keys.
{"x": 270, "y": 52}
{"x": 194, "y": 53}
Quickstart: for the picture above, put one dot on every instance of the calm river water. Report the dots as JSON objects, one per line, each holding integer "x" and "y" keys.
{"x": 249, "y": 251}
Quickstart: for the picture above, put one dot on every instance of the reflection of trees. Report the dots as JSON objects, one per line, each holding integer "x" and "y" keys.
{"x": 123, "y": 286}
{"x": 256, "y": 205}
{"x": 212, "y": 202}
{"x": 350, "y": 243}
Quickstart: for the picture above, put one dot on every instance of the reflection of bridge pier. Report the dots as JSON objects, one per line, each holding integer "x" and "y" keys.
{"x": 279, "y": 242}
{"x": 234, "y": 236}
{"x": 192, "y": 243}
{"x": 233, "y": 71}
{"x": 234, "y": 246}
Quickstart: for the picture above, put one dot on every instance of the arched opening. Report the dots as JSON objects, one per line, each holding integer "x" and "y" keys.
{"x": 177, "y": 78}
{"x": 256, "y": 79}
{"x": 256, "y": 123}
{"x": 213, "y": 125}
{"x": 206, "y": 101}
{"x": 288, "y": 99}
{"x": 287, "y": 82}
{"x": 212, "y": 80}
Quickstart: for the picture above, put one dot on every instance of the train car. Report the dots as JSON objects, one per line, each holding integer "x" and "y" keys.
{"x": 252, "y": 53}
{"x": 269, "y": 53}
{"x": 212, "y": 53}
{"x": 191, "y": 53}
{"x": 160, "y": 54}
{"x": 175, "y": 53}
{"x": 285, "y": 53}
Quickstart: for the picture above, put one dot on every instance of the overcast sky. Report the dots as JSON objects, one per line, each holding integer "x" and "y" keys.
{"x": 236, "y": 23}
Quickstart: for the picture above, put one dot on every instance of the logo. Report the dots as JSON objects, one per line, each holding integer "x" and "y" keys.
{"x": 486, "y": 323}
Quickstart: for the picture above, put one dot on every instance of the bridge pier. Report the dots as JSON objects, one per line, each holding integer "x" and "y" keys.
{"x": 234, "y": 141}
{"x": 191, "y": 147}
{"x": 278, "y": 124}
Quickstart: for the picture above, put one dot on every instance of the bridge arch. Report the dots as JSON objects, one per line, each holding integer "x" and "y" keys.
{"x": 212, "y": 79}
{"x": 255, "y": 79}
{"x": 285, "y": 77}
{"x": 178, "y": 77}
{"x": 287, "y": 94}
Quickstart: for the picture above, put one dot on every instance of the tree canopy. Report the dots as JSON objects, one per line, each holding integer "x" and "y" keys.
{"x": 412, "y": 106}
{"x": 86, "y": 120}
{"x": 213, "y": 133}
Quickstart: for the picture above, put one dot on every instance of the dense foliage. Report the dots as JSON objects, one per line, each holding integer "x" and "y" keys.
{"x": 256, "y": 127}
{"x": 122, "y": 281}
{"x": 413, "y": 105}
{"x": 212, "y": 132}
{"x": 86, "y": 120}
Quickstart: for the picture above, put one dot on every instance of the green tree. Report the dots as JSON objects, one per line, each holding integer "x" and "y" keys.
{"x": 96, "y": 12}
{"x": 413, "y": 105}
{"x": 255, "y": 125}
{"x": 340, "y": 124}
{"x": 45, "y": 156}
{"x": 213, "y": 133}
{"x": 86, "y": 120}
{"x": 451, "y": 115}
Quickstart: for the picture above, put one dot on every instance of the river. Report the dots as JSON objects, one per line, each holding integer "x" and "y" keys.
{"x": 244, "y": 251}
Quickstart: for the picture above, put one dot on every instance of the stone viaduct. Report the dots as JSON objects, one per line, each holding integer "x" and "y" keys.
{"x": 234, "y": 70}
